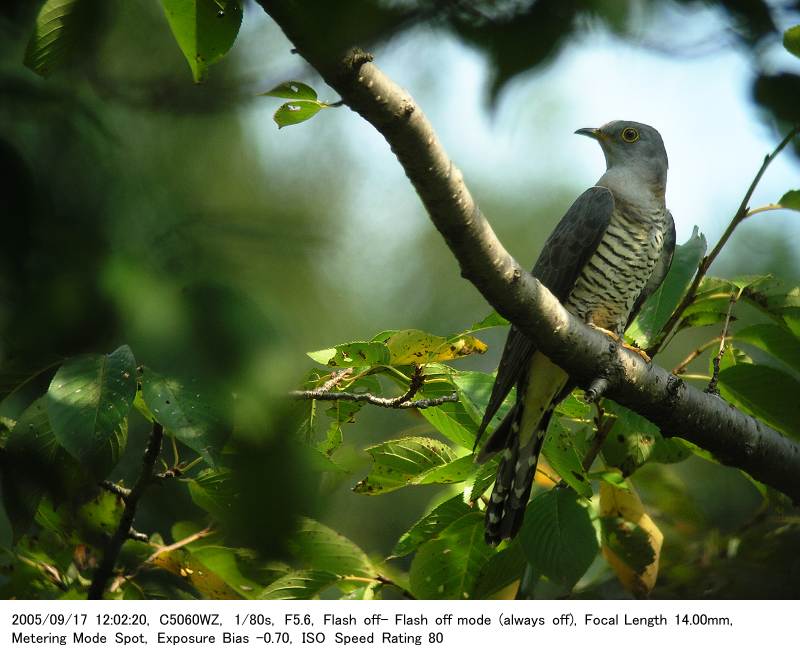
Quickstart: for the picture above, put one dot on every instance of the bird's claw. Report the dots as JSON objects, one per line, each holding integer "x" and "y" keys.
{"x": 617, "y": 339}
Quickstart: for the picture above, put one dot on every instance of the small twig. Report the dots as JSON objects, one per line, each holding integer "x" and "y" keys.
{"x": 712, "y": 384}
{"x": 403, "y": 401}
{"x": 596, "y": 390}
{"x": 603, "y": 430}
{"x": 741, "y": 214}
{"x": 118, "y": 490}
{"x": 382, "y": 580}
{"x": 200, "y": 534}
{"x": 334, "y": 380}
{"x": 111, "y": 553}
{"x": 681, "y": 367}
{"x": 766, "y": 208}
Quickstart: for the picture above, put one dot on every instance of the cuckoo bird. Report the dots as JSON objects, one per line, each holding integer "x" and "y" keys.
{"x": 609, "y": 252}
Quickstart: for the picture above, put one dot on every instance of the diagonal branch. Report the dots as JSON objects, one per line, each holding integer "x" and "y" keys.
{"x": 678, "y": 410}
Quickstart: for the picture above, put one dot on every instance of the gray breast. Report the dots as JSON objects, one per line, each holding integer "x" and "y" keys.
{"x": 612, "y": 279}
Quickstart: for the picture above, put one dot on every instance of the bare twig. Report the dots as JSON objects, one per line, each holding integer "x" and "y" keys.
{"x": 712, "y": 384}
{"x": 681, "y": 367}
{"x": 604, "y": 426}
{"x": 111, "y": 553}
{"x": 118, "y": 490}
{"x": 189, "y": 539}
{"x": 742, "y": 213}
{"x": 403, "y": 401}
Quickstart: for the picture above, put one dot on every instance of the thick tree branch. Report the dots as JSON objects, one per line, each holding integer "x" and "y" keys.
{"x": 678, "y": 410}
{"x": 123, "y": 531}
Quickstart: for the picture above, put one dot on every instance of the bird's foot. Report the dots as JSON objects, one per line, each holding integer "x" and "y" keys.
{"x": 617, "y": 339}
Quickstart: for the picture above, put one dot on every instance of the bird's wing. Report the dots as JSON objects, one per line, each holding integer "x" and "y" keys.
{"x": 563, "y": 256}
{"x": 660, "y": 272}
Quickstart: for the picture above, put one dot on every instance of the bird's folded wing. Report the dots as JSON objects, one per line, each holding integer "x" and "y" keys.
{"x": 563, "y": 256}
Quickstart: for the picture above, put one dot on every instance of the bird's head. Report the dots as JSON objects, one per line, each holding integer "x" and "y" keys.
{"x": 631, "y": 144}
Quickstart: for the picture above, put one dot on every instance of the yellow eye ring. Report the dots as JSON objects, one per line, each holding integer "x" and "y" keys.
{"x": 629, "y": 135}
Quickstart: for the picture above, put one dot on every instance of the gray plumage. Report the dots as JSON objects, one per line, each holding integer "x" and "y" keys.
{"x": 610, "y": 251}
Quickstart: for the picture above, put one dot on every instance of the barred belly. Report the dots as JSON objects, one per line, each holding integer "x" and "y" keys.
{"x": 617, "y": 272}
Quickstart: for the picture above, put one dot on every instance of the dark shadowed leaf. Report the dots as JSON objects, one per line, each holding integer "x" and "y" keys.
{"x": 564, "y": 451}
{"x": 665, "y": 299}
{"x": 764, "y": 392}
{"x": 558, "y": 537}
{"x": 430, "y": 525}
{"x": 791, "y": 40}
{"x": 320, "y": 548}
{"x": 87, "y": 402}
{"x": 448, "y": 567}
{"x": 62, "y": 26}
{"x": 396, "y": 463}
{"x": 791, "y": 199}
{"x": 190, "y": 415}
{"x": 204, "y": 29}
{"x": 502, "y": 569}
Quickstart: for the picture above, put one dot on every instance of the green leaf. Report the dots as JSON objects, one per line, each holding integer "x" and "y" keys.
{"x": 293, "y": 90}
{"x": 775, "y": 341}
{"x": 61, "y": 26}
{"x": 730, "y": 358}
{"x": 299, "y": 585}
{"x": 564, "y": 451}
{"x": 295, "y": 112}
{"x": 774, "y": 297}
{"x": 6, "y": 528}
{"x": 448, "y": 567}
{"x": 791, "y": 199}
{"x": 204, "y": 29}
{"x": 430, "y": 525}
{"x": 494, "y": 319}
{"x": 558, "y": 536}
{"x": 474, "y": 390}
{"x": 634, "y": 440}
{"x": 483, "y": 478}
{"x": 396, "y": 463}
{"x": 412, "y": 346}
{"x": 453, "y": 421}
{"x": 353, "y": 354}
{"x": 502, "y": 569}
{"x": 765, "y": 392}
{"x": 791, "y": 40}
{"x": 320, "y": 548}
{"x": 457, "y": 470}
{"x": 213, "y": 491}
{"x": 660, "y": 305}
{"x": 192, "y": 417}
{"x": 87, "y": 402}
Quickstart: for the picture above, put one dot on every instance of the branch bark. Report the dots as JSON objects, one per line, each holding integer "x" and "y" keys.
{"x": 131, "y": 500}
{"x": 587, "y": 355}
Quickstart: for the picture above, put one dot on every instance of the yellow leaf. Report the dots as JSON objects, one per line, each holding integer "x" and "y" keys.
{"x": 631, "y": 541}
{"x": 412, "y": 346}
{"x": 183, "y": 564}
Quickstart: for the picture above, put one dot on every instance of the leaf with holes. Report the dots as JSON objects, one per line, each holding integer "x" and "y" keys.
{"x": 411, "y": 346}
{"x": 396, "y": 463}
{"x": 320, "y": 548}
{"x": 430, "y": 525}
{"x": 448, "y": 567}
{"x": 558, "y": 537}
{"x": 87, "y": 402}
{"x": 564, "y": 449}
{"x": 359, "y": 353}
{"x": 193, "y": 418}
{"x": 292, "y": 89}
{"x": 204, "y": 29}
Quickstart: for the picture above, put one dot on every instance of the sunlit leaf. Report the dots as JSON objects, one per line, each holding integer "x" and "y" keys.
{"x": 494, "y": 319}
{"x": 659, "y": 306}
{"x": 631, "y": 541}
{"x": 187, "y": 567}
{"x": 87, "y": 402}
{"x": 191, "y": 416}
{"x": 564, "y": 451}
{"x": 775, "y": 341}
{"x": 204, "y": 29}
{"x": 430, "y": 525}
{"x": 295, "y": 112}
{"x": 361, "y": 353}
{"x": 558, "y": 537}
{"x": 396, "y": 463}
{"x": 410, "y": 346}
{"x": 764, "y": 392}
{"x": 293, "y": 90}
{"x": 448, "y": 566}
{"x": 481, "y": 480}
{"x": 299, "y": 585}
{"x": 457, "y": 470}
{"x": 61, "y": 26}
{"x": 502, "y": 569}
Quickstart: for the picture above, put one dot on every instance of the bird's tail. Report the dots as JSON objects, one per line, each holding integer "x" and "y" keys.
{"x": 515, "y": 475}
{"x": 520, "y": 437}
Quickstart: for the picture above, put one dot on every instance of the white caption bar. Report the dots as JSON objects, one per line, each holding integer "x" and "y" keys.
{"x": 420, "y": 628}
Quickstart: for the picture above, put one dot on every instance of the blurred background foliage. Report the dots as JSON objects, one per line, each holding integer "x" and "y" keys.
{"x": 140, "y": 208}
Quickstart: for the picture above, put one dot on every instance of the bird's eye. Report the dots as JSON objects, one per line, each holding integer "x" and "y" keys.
{"x": 630, "y": 135}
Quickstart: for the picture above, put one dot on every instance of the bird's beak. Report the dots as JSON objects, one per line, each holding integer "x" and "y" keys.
{"x": 594, "y": 133}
